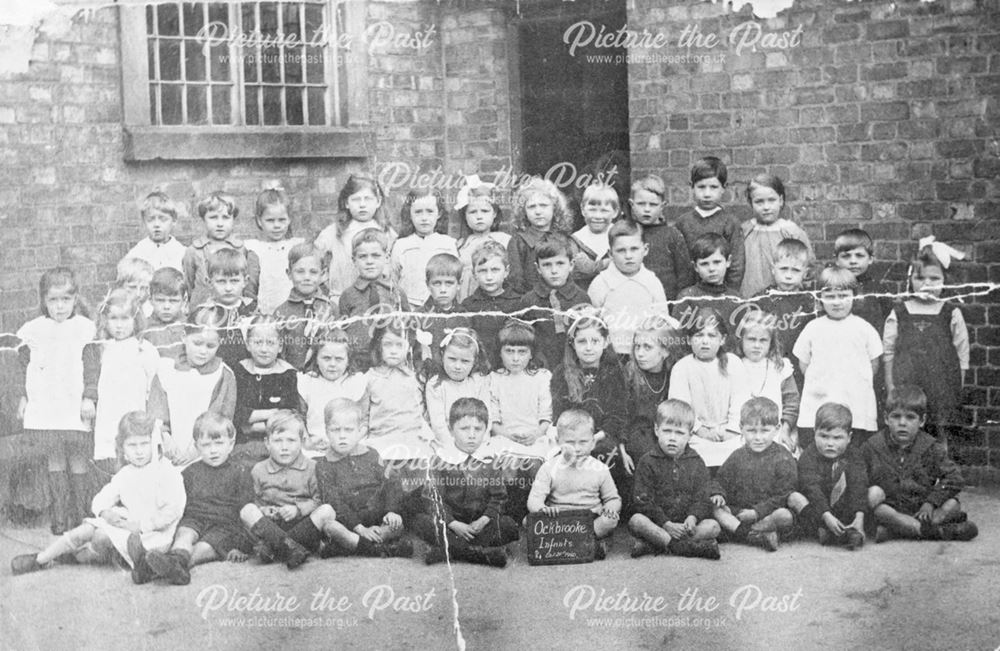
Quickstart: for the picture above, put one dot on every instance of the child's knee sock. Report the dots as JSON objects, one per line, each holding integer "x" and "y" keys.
{"x": 80, "y": 484}
{"x": 306, "y": 534}
{"x": 64, "y": 544}
{"x": 59, "y": 501}
{"x": 742, "y": 531}
{"x": 278, "y": 541}
{"x": 810, "y": 518}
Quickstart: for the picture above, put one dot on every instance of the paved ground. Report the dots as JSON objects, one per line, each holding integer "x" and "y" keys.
{"x": 910, "y": 595}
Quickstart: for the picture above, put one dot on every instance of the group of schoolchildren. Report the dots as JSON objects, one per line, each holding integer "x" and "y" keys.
{"x": 261, "y": 396}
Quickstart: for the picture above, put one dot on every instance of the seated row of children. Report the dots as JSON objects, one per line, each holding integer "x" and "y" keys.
{"x": 162, "y": 522}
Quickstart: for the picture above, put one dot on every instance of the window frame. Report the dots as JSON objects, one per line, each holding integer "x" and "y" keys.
{"x": 145, "y": 141}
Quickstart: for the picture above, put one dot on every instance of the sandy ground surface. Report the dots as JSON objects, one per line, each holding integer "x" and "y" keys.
{"x": 914, "y": 595}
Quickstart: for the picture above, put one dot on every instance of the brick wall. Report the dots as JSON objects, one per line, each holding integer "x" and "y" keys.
{"x": 884, "y": 116}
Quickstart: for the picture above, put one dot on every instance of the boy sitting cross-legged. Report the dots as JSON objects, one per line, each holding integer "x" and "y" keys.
{"x": 754, "y": 483}
{"x": 353, "y": 482}
{"x": 671, "y": 503}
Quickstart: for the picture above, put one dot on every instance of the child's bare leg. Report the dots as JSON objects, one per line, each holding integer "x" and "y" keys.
{"x": 337, "y": 532}
{"x": 707, "y": 529}
{"x": 201, "y": 553}
{"x": 389, "y": 533}
{"x": 647, "y": 530}
{"x": 797, "y": 501}
{"x": 604, "y": 526}
{"x": 724, "y": 516}
{"x": 69, "y": 542}
{"x": 777, "y": 520}
{"x": 946, "y": 512}
{"x": 899, "y": 523}
{"x": 250, "y": 514}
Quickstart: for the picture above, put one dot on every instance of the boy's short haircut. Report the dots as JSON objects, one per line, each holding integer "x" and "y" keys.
{"x": 650, "y": 183}
{"x": 760, "y": 411}
{"x": 625, "y": 228}
{"x": 552, "y": 246}
{"x": 340, "y": 406}
{"x": 466, "y": 408}
{"x": 305, "y": 250}
{"x": 675, "y": 412}
{"x": 833, "y": 415}
{"x": 227, "y": 262}
{"x": 213, "y": 426}
{"x": 705, "y": 246}
{"x": 218, "y": 201}
{"x": 573, "y": 419}
{"x": 168, "y": 281}
{"x": 791, "y": 248}
{"x": 488, "y": 251}
{"x": 837, "y": 278}
{"x": 133, "y": 269}
{"x": 444, "y": 264}
{"x": 709, "y": 167}
{"x": 600, "y": 193}
{"x": 851, "y": 239}
{"x": 907, "y": 397}
{"x": 282, "y": 418}
{"x": 369, "y": 236}
{"x": 159, "y": 202}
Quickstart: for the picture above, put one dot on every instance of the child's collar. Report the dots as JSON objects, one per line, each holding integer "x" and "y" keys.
{"x": 295, "y": 296}
{"x": 363, "y": 284}
{"x": 300, "y": 463}
{"x": 280, "y": 366}
{"x": 202, "y": 241}
{"x": 359, "y": 450}
{"x": 707, "y": 213}
{"x": 386, "y": 371}
{"x": 181, "y": 364}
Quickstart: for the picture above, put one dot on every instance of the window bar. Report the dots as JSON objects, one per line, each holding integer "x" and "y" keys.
{"x": 334, "y": 15}
{"x": 158, "y": 86}
{"x": 283, "y": 90}
{"x": 237, "y": 93}
{"x": 304, "y": 89}
{"x": 181, "y": 63}
{"x": 260, "y": 69}
{"x": 207, "y": 58}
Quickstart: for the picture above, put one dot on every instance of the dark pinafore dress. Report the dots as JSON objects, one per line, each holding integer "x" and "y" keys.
{"x": 926, "y": 357}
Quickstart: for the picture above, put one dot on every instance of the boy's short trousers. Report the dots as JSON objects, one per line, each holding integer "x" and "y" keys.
{"x": 222, "y": 537}
{"x": 371, "y": 518}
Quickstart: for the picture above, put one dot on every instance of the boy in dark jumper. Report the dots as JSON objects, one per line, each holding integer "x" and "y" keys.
{"x": 833, "y": 482}
{"x": 307, "y": 308}
{"x": 668, "y": 255}
{"x": 491, "y": 266}
{"x": 672, "y": 511}
{"x": 443, "y": 273}
{"x": 712, "y": 259}
{"x": 555, "y": 293}
{"x": 216, "y": 488}
{"x": 708, "y": 182}
{"x": 168, "y": 295}
{"x": 914, "y": 484}
{"x": 227, "y": 273}
{"x": 854, "y": 251}
{"x": 466, "y": 495}
{"x": 754, "y": 483}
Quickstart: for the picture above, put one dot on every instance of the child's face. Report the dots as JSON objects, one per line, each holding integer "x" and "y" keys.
{"x": 469, "y": 433}
{"x": 424, "y": 215}
{"x": 766, "y": 204}
{"x": 832, "y": 443}
{"x": 369, "y": 258}
{"x": 628, "y": 252}
{"x": 285, "y": 444}
{"x": 705, "y": 343}
{"x": 274, "y": 222}
{"x": 458, "y": 362}
{"x": 362, "y": 205}
{"x": 167, "y": 309}
{"x": 138, "y": 450}
{"x": 306, "y": 275}
{"x": 927, "y": 282}
{"x": 228, "y": 288}
{"x": 673, "y": 439}
{"x": 554, "y": 271}
{"x": 264, "y": 345}
{"x": 393, "y": 349}
{"x": 707, "y": 193}
{"x": 598, "y": 214}
{"x": 788, "y": 273}
{"x": 575, "y": 443}
{"x": 856, "y": 260}
{"x": 589, "y": 345}
{"x": 215, "y": 450}
{"x": 159, "y": 226}
{"x": 515, "y": 358}
{"x": 647, "y": 207}
{"x": 539, "y": 211}
{"x": 479, "y": 214}
{"x": 758, "y": 436}
{"x": 837, "y": 303}
{"x": 649, "y": 355}
{"x": 443, "y": 290}
{"x": 756, "y": 343}
{"x": 904, "y": 425}
{"x": 219, "y": 224}
{"x": 201, "y": 346}
{"x": 60, "y": 302}
{"x": 332, "y": 360}
{"x": 120, "y": 322}
{"x": 712, "y": 270}
{"x": 490, "y": 274}
{"x": 344, "y": 431}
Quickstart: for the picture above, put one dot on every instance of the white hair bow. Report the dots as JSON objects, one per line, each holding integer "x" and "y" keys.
{"x": 941, "y": 251}
{"x": 472, "y": 182}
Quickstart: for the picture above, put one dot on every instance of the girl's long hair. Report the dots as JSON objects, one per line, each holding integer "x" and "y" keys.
{"x": 669, "y": 338}
{"x": 120, "y": 298}
{"x": 768, "y": 322}
{"x": 562, "y": 218}
{"x": 406, "y": 216}
{"x": 707, "y": 317}
{"x": 572, "y": 371}
{"x": 467, "y": 339}
{"x": 61, "y": 277}
{"x": 355, "y": 183}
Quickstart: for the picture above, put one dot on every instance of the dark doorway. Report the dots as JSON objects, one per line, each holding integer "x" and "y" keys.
{"x": 574, "y": 108}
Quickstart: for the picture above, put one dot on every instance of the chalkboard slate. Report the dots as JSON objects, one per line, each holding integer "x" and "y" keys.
{"x": 562, "y": 539}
